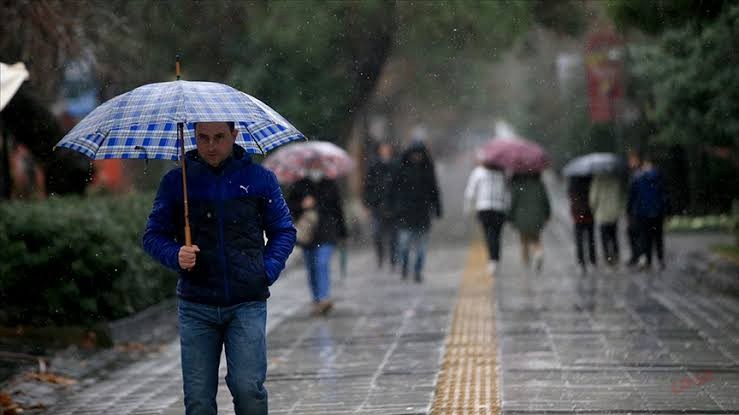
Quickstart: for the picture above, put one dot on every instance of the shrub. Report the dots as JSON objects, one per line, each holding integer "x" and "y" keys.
{"x": 700, "y": 223}
{"x": 77, "y": 261}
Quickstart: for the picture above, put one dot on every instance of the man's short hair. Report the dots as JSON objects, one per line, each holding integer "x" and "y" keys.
{"x": 231, "y": 125}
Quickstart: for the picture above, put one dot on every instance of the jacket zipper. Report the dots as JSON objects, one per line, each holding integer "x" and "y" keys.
{"x": 222, "y": 248}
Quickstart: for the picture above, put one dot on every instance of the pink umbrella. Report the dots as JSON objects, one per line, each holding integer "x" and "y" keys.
{"x": 290, "y": 163}
{"x": 515, "y": 155}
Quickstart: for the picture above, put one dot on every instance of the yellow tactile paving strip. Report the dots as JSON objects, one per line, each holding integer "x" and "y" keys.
{"x": 468, "y": 381}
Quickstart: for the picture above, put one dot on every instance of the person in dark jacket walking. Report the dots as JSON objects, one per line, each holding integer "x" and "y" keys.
{"x": 321, "y": 194}
{"x": 578, "y": 192}
{"x": 377, "y": 195}
{"x": 224, "y": 276}
{"x": 632, "y": 227}
{"x": 415, "y": 198}
{"x": 530, "y": 211}
{"x": 648, "y": 203}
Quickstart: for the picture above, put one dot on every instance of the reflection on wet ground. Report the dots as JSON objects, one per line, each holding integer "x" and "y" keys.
{"x": 615, "y": 342}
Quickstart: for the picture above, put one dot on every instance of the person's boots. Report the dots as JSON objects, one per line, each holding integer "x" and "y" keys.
{"x": 418, "y": 278}
{"x": 322, "y": 307}
{"x": 404, "y": 271}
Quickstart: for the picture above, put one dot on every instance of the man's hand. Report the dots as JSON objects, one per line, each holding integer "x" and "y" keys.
{"x": 186, "y": 256}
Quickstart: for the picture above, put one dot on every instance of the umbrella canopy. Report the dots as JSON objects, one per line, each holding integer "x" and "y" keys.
{"x": 594, "y": 163}
{"x": 515, "y": 155}
{"x": 11, "y": 78}
{"x": 142, "y": 123}
{"x": 290, "y": 163}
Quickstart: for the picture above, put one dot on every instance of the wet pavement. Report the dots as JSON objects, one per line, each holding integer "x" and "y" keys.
{"x": 620, "y": 342}
{"x": 614, "y": 342}
{"x": 378, "y": 352}
{"x": 608, "y": 343}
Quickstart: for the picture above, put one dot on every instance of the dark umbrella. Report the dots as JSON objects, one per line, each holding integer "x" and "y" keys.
{"x": 594, "y": 163}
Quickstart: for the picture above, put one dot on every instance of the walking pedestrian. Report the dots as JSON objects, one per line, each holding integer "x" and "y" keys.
{"x": 318, "y": 193}
{"x": 415, "y": 198}
{"x": 632, "y": 227}
{"x": 530, "y": 211}
{"x": 607, "y": 200}
{"x": 648, "y": 203}
{"x": 224, "y": 276}
{"x": 578, "y": 189}
{"x": 377, "y": 194}
{"x": 488, "y": 193}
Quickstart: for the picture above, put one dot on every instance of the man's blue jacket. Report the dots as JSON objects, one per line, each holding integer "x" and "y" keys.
{"x": 648, "y": 196}
{"x": 231, "y": 209}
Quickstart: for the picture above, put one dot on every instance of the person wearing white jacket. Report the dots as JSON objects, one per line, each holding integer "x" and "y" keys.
{"x": 607, "y": 199}
{"x": 489, "y": 194}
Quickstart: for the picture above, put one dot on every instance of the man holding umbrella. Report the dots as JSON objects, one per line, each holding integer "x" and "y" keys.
{"x": 224, "y": 264}
{"x": 225, "y": 274}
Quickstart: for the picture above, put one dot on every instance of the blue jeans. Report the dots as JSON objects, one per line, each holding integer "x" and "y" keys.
{"x": 204, "y": 330}
{"x": 419, "y": 240}
{"x": 318, "y": 264}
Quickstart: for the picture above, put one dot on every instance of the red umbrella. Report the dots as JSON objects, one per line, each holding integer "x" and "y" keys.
{"x": 516, "y": 155}
{"x": 291, "y": 162}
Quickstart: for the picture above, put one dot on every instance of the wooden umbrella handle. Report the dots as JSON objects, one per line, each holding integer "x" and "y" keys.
{"x": 188, "y": 237}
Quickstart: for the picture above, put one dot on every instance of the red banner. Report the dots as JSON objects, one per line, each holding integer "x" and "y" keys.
{"x": 604, "y": 71}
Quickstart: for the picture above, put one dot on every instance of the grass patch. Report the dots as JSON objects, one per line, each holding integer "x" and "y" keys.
{"x": 730, "y": 252}
{"x": 701, "y": 223}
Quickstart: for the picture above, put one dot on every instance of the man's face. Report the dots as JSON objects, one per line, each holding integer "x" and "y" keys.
{"x": 385, "y": 151}
{"x": 215, "y": 141}
{"x": 416, "y": 157}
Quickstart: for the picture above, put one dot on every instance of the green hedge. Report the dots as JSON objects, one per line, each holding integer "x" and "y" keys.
{"x": 727, "y": 222}
{"x": 77, "y": 261}
{"x": 701, "y": 223}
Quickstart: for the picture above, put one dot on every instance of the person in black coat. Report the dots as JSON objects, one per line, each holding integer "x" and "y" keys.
{"x": 578, "y": 191}
{"x": 377, "y": 194}
{"x": 316, "y": 192}
{"x": 415, "y": 199}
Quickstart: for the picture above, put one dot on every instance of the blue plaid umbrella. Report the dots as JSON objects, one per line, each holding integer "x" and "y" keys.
{"x": 142, "y": 123}
{"x": 145, "y": 124}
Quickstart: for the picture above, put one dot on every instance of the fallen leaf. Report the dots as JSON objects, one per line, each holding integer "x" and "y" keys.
{"x": 51, "y": 378}
{"x": 8, "y": 406}
{"x": 131, "y": 347}
{"x": 139, "y": 347}
{"x": 36, "y": 406}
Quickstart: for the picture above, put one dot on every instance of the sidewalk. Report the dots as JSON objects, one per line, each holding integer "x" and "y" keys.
{"x": 551, "y": 343}
{"x": 625, "y": 342}
{"x": 377, "y": 353}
